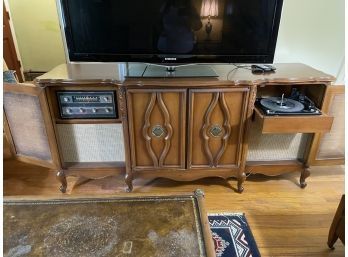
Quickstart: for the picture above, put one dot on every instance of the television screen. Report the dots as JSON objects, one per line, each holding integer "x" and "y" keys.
{"x": 164, "y": 31}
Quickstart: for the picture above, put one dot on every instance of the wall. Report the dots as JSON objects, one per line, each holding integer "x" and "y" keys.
{"x": 311, "y": 32}
{"x": 38, "y": 35}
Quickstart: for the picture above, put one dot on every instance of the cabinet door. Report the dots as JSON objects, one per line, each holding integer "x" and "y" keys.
{"x": 328, "y": 148}
{"x": 28, "y": 125}
{"x": 157, "y": 128}
{"x": 216, "y": 126}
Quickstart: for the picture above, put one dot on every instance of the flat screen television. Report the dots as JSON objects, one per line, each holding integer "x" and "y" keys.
{"x": 171, "y": 31}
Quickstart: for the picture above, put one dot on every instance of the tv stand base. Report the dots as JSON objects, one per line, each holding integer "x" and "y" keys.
{"x": 168, "y": 71}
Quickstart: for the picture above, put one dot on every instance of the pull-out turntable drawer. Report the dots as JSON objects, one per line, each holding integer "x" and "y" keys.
{"x": 294, "y": 124}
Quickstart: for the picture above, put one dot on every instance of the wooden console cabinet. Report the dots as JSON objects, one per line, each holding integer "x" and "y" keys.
{"x": 187, "y": 132}
{"x": 176, "y": 128}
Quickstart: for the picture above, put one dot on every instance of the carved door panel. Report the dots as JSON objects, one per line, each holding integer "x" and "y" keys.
{"x": 157, "y": 128}
{"x": 28, "y": 125}
{"x": 216, "y": 125}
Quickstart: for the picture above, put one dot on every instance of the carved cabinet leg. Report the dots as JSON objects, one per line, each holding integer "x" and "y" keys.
{"x": 241, "y": 179}
{"x": 304, "y": 174}
{"x": 62, "y": 179}
{"x": 129, "y": 182}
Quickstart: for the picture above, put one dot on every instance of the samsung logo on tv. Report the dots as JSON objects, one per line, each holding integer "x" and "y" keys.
{"x": 170, "y": 59}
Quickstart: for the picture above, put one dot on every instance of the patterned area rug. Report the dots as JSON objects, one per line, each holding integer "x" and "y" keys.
{"x": 159, "y": 226}
{"x": 232, "y": 235}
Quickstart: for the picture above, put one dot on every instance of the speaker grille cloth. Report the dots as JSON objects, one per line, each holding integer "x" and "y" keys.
{"x": 332, "y": 143}
{"x": 27, "y": 127}
{"x": 275, "y": 147}
{"x": 91, "y": 142}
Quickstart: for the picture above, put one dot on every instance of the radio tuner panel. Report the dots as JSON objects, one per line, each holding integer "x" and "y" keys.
{"x": 87, "y": 105}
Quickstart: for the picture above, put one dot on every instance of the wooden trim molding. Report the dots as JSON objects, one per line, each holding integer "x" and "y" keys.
{"x": 122, "y": 103}
{"x": 218, "y": 97}
{"x": 146, "y": 127}
{"x": 168, "y": 127}
{"x": 203, "y": 215}
{"x": 249, "y": 106}
{"x": 205, "y": 127}
{"x": 8, "y": 135}
{"x": 273, "y": 168}
{"x": 227, "y": 128}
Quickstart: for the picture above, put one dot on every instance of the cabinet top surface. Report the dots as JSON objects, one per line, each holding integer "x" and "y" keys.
{"x": 227, "y": 74}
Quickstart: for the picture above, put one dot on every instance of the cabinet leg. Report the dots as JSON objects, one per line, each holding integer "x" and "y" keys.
{"x": 304, "y": 174}
{"x": 241, "y": 179}
{"x": 332, "y": 241}
{"x": 62, "y": 179}
{"x": 129, "y": 182}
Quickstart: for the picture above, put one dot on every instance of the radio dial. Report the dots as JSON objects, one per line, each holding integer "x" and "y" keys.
{"x": 87, "y": 105}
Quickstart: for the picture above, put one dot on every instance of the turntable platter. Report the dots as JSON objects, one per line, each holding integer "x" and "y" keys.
{"x": 282, "y": 105}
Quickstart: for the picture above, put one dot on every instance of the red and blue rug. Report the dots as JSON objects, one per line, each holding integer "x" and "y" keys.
{"x": 232, "y": 235}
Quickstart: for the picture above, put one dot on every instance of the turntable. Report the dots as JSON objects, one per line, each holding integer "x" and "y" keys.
{"x": 296, "y": 104}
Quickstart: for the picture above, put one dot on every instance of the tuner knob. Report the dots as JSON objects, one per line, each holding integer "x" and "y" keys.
{"x": 66, "y": 99}
{"x": 105, "y": 98}
{"x": 94, "y": 110}
{"x": 82, "y": 110}
{"x": 69, "y": 111}
{"x": 107, "y": 110}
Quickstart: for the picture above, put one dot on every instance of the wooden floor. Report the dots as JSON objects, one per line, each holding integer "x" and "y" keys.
{"x": 285, "y": 219}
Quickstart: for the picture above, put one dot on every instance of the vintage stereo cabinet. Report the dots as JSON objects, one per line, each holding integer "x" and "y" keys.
{"x": 178, "y": 128}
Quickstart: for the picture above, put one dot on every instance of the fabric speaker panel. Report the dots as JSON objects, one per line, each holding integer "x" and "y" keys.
{"x": 332, "y": 143}
{"x": 276, "y": 147}
{"x": 27, "y": 125}
{"x": 91, "y": 142}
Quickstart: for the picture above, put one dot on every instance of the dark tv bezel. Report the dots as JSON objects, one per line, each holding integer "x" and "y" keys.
{"x": 170, "y": 58}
